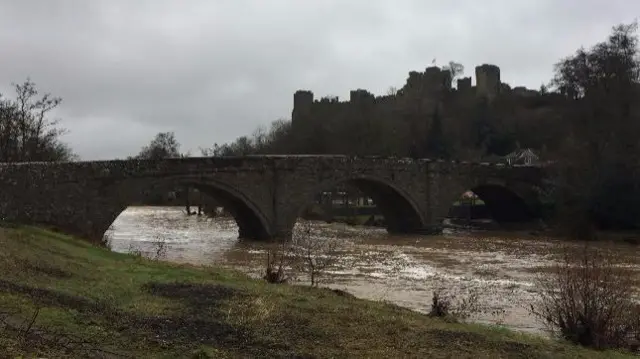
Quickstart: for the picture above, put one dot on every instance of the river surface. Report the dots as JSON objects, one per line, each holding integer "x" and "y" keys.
{"x": 500, "y": 269}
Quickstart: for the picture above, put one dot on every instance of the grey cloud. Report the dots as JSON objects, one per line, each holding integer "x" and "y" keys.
{"x": 214, "y": 70}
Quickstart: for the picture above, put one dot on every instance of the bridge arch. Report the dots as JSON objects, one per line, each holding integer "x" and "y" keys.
{"x": 251, "y": 221}
{"x": 401, "y": 212}
{"x": 504, "y": 202}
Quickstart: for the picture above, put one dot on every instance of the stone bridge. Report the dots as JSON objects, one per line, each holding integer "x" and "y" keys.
{"x": 265, "y": 194}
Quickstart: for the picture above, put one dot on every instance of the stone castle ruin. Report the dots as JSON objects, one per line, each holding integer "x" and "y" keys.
{"x": 420, "y": 94}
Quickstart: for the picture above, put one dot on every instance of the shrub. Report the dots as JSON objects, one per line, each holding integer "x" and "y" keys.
{"x": 315, "y": 254}
{"x": 587, "y": 299}
{"x": 275, "y": 271}
{"x": 279, "y": 262}
{"x": 454, "y": 307}
{"x": 439, "y": 306}
{"x": 304, "y": 253}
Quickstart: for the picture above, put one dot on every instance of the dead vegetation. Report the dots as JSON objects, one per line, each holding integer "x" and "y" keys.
{"x": 454, "y": 307}
{"x": 589, "y": 299}
{"x": 306, "y": 254}
{"x": 315, "y": 253}
{"x": 278, "y": 266}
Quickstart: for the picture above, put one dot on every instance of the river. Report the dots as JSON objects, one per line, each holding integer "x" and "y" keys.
{"x": 499, "y": 268}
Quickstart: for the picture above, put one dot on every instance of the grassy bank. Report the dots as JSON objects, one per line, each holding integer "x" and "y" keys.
{"x": 61, "y": 297}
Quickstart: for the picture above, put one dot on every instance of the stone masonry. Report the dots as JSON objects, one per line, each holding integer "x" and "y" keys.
{"x": 265, "y": 194}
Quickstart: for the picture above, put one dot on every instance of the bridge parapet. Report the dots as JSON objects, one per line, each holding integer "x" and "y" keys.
{"x": 79, "y": 172}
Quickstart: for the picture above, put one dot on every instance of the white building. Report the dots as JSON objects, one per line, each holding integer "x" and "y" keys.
{"x": 524, "y": 157}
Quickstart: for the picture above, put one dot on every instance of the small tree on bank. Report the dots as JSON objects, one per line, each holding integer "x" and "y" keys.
{"x": 315, "y": 254}
{"x": 304, "y": 253}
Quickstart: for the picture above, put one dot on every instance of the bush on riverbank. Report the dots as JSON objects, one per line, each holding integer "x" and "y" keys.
{"x": 306, "y": 254}
{"x": 61, "y": 297}
{"x": 454, "y": 308}
{"x": 589, "y": 300}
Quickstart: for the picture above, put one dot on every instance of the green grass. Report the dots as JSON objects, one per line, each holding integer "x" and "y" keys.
{"x": 90, "y": 301}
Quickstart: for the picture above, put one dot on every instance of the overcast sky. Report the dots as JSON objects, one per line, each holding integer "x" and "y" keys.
{"x": 213, "y": 70}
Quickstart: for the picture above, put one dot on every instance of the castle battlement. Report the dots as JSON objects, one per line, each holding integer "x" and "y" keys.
{"x": 426, "y": 85}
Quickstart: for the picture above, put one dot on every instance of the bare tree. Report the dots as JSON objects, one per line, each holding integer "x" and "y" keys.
{"x": 164, "y": 145}
{"x": 27, "y": 133}
{"x": 276, "y": 139}
{"x": 315, "y": 254}
{"x": 214, "y": 151}
{"x": 259, "y": 139}
{"x": 456, "y": 70}
{"x": 279, "y": 138}
{"x": 588, "y": 299}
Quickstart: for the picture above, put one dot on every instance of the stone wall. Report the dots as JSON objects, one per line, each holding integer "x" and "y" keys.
{"x": 266, "y": 194}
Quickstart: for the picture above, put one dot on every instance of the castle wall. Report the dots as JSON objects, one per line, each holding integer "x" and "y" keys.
{"x": 464, "y": 84}
{"x": 302, "y": 106}
{"x": 415, "y": 101}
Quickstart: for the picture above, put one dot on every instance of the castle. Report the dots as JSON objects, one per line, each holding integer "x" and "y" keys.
{"x": 421, "y": 92}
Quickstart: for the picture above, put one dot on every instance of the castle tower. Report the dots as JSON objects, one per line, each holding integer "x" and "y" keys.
{"x": 436, "y": 79}
{"x": 413, "y": 83}
{"x": 487, "y": 80}
{"x": 302, "y": 102}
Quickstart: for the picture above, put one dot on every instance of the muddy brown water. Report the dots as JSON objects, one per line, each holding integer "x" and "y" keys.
{"x": 500, "y": 268}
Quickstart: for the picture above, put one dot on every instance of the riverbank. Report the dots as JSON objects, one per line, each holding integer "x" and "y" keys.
{"x": 71, "y": 299}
